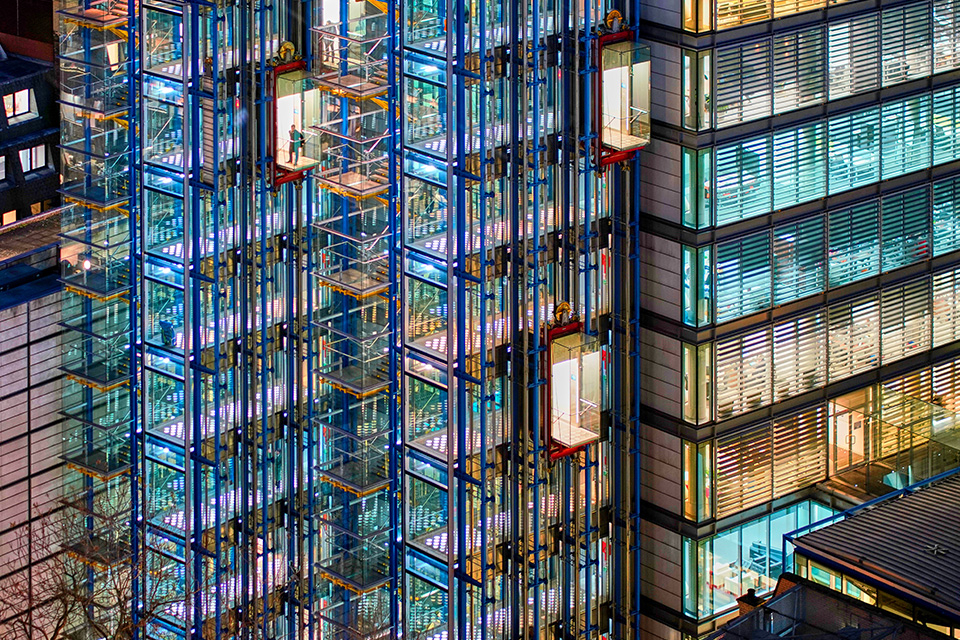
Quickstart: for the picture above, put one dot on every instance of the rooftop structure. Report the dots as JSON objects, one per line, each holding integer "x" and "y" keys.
{"x": 901, "y": 551}
{"x": 799, "y": 609}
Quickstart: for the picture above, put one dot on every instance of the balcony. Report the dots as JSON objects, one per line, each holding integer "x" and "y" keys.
{"x": 359, "y": 566}
{"x": 364, "y": 517}
{"x": 102, "y": 550}
{"x": 92, "y": 132}
{"x": 346, "y": 616}
{"x": 104, "y": 457}
{"x": 99, "y": 182}
{"x": 102, "y": 89}
{"x": 100, "y": 365}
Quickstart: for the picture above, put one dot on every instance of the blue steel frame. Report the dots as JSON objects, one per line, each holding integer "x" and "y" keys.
{"x": 280, "y": 220}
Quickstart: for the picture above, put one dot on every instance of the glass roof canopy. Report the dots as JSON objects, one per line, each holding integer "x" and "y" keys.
{"x": 884, "y": 439}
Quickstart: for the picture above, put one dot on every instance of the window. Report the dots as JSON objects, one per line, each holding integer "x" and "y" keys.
{"x": 744, "y": 369}
{"x": 697, "y": 375}
{"x": 9, "y": 217}
{"x": 853, "y": 345}
{"x": 946, "y": 302}
{"x": 906, "y": 228}
{"x": 798, "y": 350}
{"x": 798, "y": 70}
{"x": 904, "y": 316}
{"x": 854, "y": 157}
{"x": 783, "y": 8}
{"x": 696, "y": 182}
{"x": 797, "y": 260}
{"x": 854, "y": 243}
{"x": 743, "y": 83}
{"x": 946, "y": 216}
{"x": 33, "y": 158}
{"x": 946, "y": 125}
{"x": 906, "y": 136}
{"x": 743, "y": 180}
{"x": 799, "y": 451}
{"x": 946, "y": 35}
{"x": 731, "y": 13}
{"x": 3, "y": 168}
{"x": 698, "y": 15}
{"x": 719, "y": 569}
{"x": 743, "y": 276}
{"x": 744, "y": 470}
{"x": 854, "y": 60}
{"x": 798, "y": 165}
{"x": 698, "y": 466}
{"x": 20, "y": 106}
{"x": 906, "y": 43}
{"x": 946, "y": 307}
{"x": 697, "y": 79}
{"x": 697, "y": 286}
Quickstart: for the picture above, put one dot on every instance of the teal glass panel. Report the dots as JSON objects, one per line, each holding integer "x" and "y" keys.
{"x": 798, "y": 260}
{"x": 743, "y": 184}
{"x": 906, "y": 228}
{"x": 946, "y": 216}
{"x": 743, "y": 276}
{"x": 854, "y": 243}
{"x": 854, "y": 152}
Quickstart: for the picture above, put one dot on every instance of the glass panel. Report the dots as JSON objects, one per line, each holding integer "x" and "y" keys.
{"x": 798, "y": 260}
{"x": 799, "y": 74}
{"x": 731, "y": 13}
{"x": 743, "y": 83}
{"x": 854, "y": 243}
{"x": 744, "y": 369}
{"x": 946, "y": 35}
{"x": 946, "y": 216}
{"x": 743, "y": 276}
{"x": 427, "y": 513}
{"x": 906, "y": 228}
{"x": 743, "y": 180}
{"x": 854, "y": 337}
{"x": 799, "y": 347}
{"x": 799, "y": 157}
{"x": 906, "y": 136}
{"x": 854, "y": 152}
{"x": 906, "y": 43}
{"x": 744, "y": 470}
{"x": 625, "y": 112}
{"x": 854, "y": 60}
{"x": 946, "y": 125}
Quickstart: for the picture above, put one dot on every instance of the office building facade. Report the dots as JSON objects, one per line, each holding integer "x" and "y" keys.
{"x": 351, "y": 309}
{"x": 31, "y": 467}
{"x": 798, "y": 246}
